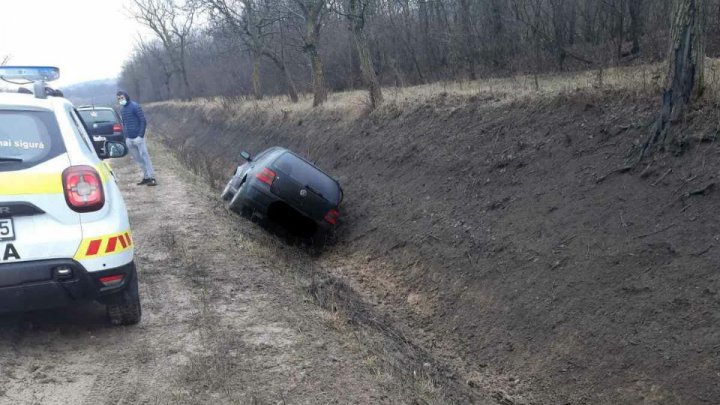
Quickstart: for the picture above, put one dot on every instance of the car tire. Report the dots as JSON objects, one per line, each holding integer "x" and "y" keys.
{"x": 126, "y": 309}
{"x": 227, "y": 195}
{"x": 319, "y": 239}
{"x": 236, "y": 204}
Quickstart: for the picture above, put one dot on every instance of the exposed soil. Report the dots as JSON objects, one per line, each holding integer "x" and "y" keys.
{"x": 231, "y": 315}
{"x": 495, "y": 236}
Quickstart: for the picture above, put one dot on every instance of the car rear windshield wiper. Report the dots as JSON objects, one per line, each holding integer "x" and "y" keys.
{"x": 10, "y": 159}
{"x": 307, "y": 186}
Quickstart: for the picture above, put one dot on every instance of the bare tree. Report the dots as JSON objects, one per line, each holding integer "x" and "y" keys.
{"x": 635, "y": 12}
{"x": 686, "y": 59}
{"x": 173, "y": 23}
{"x": 160, "y": 59}
{"x": 357, "y": 14}
{"x": 310, "y": 14}
{"x": 401, "y": 42}
{"x": 254, "y": 22}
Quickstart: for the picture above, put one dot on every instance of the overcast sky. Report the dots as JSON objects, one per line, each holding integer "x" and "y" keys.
{"x": 86, "y": 39}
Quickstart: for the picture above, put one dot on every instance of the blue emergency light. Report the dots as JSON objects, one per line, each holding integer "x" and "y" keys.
{"x": 29, "y": 73}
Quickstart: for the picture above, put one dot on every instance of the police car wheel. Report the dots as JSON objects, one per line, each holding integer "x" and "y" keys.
{"x": 126, "y": 310}
{"x": 226, "y": 194}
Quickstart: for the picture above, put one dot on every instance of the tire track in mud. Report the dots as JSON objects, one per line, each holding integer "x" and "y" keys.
{"x": 226, "y": 319}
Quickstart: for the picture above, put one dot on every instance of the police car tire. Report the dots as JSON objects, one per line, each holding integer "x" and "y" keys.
{"x": 128, "y": 311}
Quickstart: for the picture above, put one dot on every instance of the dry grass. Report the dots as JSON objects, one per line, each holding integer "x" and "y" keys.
{"x": 642, "y": 79}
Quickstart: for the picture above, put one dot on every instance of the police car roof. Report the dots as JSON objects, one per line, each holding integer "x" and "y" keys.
{"x": 19, "y": 101}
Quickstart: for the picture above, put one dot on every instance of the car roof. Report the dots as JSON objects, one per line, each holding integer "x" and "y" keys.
{"x": 28, "y": 101}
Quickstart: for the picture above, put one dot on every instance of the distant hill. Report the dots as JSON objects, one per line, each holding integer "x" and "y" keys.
{"x": 97, "y": 92}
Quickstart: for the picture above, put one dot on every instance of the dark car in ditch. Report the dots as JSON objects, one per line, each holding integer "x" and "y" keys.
{"x": 285, "y": 188}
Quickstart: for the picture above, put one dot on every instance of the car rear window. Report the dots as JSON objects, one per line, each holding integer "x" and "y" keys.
{"x": 308, "y": 175}
{"x": 98, "y": 116}
{"x": 30, "y": 136}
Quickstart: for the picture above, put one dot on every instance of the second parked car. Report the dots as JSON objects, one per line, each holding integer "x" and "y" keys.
{"x": 98, "y": 119}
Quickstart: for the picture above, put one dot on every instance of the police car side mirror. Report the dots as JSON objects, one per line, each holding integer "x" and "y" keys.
{"x": 246, "y": 156}
{"x": 114, "y": 150}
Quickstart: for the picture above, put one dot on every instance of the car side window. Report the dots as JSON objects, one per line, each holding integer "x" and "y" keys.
{"x": 80, "y": 131}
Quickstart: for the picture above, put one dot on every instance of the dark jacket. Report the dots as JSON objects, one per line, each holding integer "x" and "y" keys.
{"x": 133, "y": 119}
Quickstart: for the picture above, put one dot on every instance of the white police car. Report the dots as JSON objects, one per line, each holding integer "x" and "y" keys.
{"x": 64, "y": 231}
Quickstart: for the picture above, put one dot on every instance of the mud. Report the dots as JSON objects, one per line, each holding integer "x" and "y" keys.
{"x": 230, "y": 315}
{"x": 492, "y": 235}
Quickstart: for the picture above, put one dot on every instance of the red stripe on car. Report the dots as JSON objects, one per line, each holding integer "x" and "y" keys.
{"x": 122, "y": 241}
{"x": 93, "y": 248}
{"x": 112, "y": 244}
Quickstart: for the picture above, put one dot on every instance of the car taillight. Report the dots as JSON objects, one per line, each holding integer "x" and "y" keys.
{"x": 117, "y": 128}
{"x": 267, "y": 176}
{"x": 109, "y": 281}
{"x": 332, "y": 216}
{"x": 83, "y": 189}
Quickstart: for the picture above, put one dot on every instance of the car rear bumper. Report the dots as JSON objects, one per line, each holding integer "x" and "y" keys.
{"x": 30, "y": 286}
{"x": 260, "y": 199}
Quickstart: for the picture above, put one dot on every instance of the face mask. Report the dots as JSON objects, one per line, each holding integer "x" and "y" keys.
{"x": 122, "y": 101}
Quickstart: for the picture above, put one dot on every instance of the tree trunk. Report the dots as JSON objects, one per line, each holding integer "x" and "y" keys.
{"x": 634, "y": 8}
{"x": 280, "y": 63}
{"x": 685, "y": 67}
{"x": 186, "y": 83}
{"x": 319, "y": 90}
{"x": 292, "y": 89}
{"x": 256, "y": 82}
{"x": 467, "y": 38}
{"x": 313, "y": 12}
{"x": 183, "y": 70}
{"x": 357, "y": 24}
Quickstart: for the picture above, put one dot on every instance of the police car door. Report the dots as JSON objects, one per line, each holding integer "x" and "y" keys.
{"x": 35, "y": 220}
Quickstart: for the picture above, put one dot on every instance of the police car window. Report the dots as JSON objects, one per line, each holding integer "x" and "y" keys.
{"x": 308, "y": 175}
{"x": 80, "y": 131}
{"x": 28, "y": 138}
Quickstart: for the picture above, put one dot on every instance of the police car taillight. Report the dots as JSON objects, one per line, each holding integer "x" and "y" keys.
{"x": 111, "y": 281}
{"x": 83, "y": 189}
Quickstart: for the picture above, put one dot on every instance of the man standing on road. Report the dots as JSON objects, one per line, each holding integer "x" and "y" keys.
{"x": 134, "y": 127}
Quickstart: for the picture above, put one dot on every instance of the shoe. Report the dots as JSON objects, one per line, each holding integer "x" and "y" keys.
{"x": 151, "y": 182}
{"x": 143, "y": 182}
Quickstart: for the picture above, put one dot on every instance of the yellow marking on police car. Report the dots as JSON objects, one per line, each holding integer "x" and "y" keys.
{"x": 91, "y": 248}
{"x": 105, "y": 171}
{"x": 30, "y": 183}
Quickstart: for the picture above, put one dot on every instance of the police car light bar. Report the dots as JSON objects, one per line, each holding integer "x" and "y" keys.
{"x": 30, "y": 73}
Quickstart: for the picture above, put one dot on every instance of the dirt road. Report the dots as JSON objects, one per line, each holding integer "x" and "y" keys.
{"x": 230, "y": 316}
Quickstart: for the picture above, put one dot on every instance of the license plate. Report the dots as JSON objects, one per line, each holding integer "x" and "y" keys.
{"x": 7, "y": 230}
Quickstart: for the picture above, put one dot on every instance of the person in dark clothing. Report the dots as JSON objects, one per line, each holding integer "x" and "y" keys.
{"x": 134, "y": 128}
